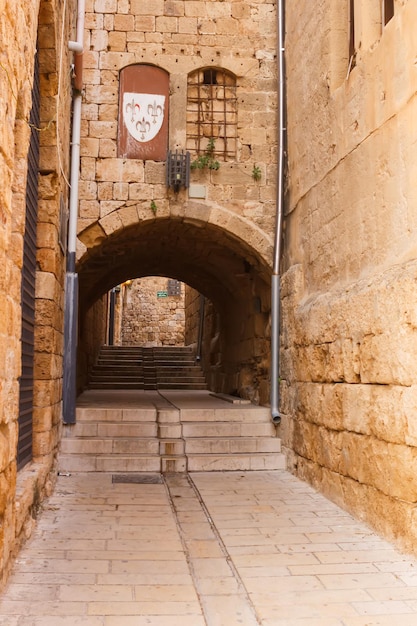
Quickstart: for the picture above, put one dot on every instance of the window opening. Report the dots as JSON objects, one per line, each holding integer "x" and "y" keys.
{"x": 387, "y": 11}
{"x": 352, "y": 42}
{"x": 212, "y": 112}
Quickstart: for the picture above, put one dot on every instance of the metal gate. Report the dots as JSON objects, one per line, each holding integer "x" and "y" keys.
{"x": 24, "y": 446}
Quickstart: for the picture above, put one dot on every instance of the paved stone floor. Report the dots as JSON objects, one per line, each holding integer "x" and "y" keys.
{"x": 211, "y": 549}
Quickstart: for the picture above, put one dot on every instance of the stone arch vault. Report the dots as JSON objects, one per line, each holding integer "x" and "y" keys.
{"x": 215, "y": 251}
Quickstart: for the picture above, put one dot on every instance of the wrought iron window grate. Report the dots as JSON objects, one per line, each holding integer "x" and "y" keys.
{"x": 212, "y": 112}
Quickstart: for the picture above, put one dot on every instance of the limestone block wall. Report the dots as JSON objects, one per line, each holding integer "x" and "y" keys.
{"x": 38, "y": 25}
{"x": 119, "y": 196}
{"x": 148, "y": 320}
{"x": 93, "y": 333}
{"x": 199, "y": 309}
{"x": 192, "y": 305}
{"x": 180, "y": 37}
{"x": 349, "y": 340}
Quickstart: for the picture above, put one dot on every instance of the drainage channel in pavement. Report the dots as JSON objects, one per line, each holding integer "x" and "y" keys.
{"x": 222, "y": 594}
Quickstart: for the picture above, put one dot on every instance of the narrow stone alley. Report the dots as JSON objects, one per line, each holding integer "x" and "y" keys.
{"x": 204, "y": 549}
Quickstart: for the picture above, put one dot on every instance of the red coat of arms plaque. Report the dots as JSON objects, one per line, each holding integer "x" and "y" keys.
{"x": 143, "y": 113}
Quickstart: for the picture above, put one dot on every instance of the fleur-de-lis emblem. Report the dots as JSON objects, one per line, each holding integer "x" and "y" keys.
{"x": 133, "y": 106}
{"x": 154, "y": 110}
{"x": 143, "y": 126}
{"x": 143, "y": 114}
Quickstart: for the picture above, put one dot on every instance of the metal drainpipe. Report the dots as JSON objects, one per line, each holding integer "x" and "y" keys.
{"x": 200, "y": 327}
{"x": 69, "y": 392}
{"x": 275, "y": 279}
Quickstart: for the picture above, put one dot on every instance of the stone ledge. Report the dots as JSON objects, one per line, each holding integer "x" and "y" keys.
{"x": 231, "y": 399}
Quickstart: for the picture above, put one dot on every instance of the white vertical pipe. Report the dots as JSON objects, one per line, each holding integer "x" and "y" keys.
{"x": 71, "y": 279}
{"x": 275, "y": 280}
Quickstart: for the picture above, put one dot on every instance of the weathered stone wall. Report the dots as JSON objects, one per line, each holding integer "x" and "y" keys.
{"x": 200, "y": 310}
{"x": 221, "y": 241}
{"x": 192, "y": 315}
{"x": 93, "y": 335}
{"x": 251, "y": 379}
{"x": 21, "y": 492}
{"x": 180, "y": 37}
{"x": 349, "y": 341}
{"x": 148, "y": 320}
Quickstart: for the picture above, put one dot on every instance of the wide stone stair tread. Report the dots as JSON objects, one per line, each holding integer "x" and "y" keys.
{"x": 110, "y": 462}
{"x": 228, "y": 429}
{"x": 235, "y": 462}
{"x": 111, "y": 445}
{"x": 231, "y": 445}
{"x": 130, "y": 367}
{"x": 118, "y": 385}
{"x": 119, "y": 417}
{"x": 118, "y": 377}
{"x": 180, "y": 382}
{"x": 181, "y": 432}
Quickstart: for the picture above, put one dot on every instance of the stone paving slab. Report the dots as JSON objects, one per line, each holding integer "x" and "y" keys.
{"x": 208, "y": 549}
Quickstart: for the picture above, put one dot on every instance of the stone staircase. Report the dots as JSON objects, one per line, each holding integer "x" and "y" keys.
{"x": 119, "y": 367}
{"x": 171, "y": 432}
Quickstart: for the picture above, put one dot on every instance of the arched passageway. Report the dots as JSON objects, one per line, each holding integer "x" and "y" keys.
{"x": 212, "y": 260}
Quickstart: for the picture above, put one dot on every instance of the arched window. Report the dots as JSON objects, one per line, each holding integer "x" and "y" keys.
{"x": 212, "y": 112}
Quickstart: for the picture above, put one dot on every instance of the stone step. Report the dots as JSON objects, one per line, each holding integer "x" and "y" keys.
{"x": 186, "y": 386}
{"x": 228, "y": 429}
{"x": 119, "y": 416}
{"x": 172, "y": 464}
{"x": 119, "y": 445}
{"x": 131, "y": 356}
{"x": 116, "y": 376}
{"x": 123, "y": 360}
{"x": 117, "y": 385}
{"x": 142, "y": 367}
{"x": 235, "y": 462}
{"x": 125, "y": 354}
{"x": 109, "y": 429}
{"x": 109, "y": 463}
{"x": 150, "y": 350}
{"x": 130, "y": 374}
{"x": 172, "y": 447}
{"x": 120, "y": 367}
{"x": 176, "y": 366}
{"x": 233, "y": 413}
{"x": 232, "y": 445}
{"x": 180, "y": 379}
{"x": 142, "y": 385}
{"x": 170, "y": 362}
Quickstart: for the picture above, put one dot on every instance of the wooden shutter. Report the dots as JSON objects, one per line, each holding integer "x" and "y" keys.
{"x": 24, "y": 447}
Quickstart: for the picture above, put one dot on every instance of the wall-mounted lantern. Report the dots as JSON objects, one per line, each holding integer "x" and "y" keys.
{"x": 178, "y": 169}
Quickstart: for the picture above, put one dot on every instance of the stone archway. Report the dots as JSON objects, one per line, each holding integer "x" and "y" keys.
{"x": 216, "y": 256}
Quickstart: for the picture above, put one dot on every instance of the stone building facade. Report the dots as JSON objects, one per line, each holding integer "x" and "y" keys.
{"x": 211, "y": 67}
{"x": 215, "y": 233}
{"x": 35, "y": 101}
{"x": 206, "y": 71}
{"x": 151, "y": 314}
{"x": 349, "y": 293}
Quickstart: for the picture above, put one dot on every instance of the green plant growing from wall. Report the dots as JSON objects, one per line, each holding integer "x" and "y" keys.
{"x": 256, "y": 173}
{"x": 207, "y": 159}
{"x": 154, "y": 208}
